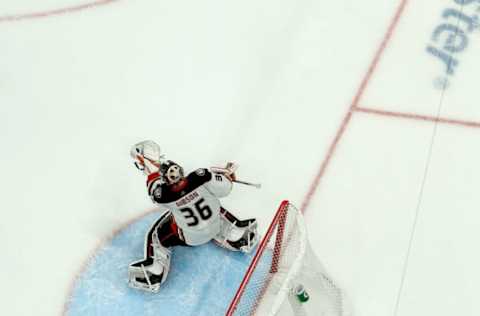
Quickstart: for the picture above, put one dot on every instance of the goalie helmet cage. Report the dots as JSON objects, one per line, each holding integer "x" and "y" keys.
{"x": 283, "y": 265}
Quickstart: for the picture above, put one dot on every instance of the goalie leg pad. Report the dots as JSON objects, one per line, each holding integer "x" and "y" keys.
{"x": 148, "y": 274}
{"x": 235, "y": 234}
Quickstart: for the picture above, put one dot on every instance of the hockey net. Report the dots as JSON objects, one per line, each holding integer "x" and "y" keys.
{"x": 283, "y": 265}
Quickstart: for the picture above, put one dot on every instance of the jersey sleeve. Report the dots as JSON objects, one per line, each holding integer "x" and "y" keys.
{"x": 219, "y": 185}
{"x": 154, "y": 187}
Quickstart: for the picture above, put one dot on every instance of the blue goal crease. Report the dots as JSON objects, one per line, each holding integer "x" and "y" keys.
{"x": 202, "y": 280}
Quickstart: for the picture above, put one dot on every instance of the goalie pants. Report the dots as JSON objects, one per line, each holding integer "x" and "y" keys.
{"x": 169, "y": 234}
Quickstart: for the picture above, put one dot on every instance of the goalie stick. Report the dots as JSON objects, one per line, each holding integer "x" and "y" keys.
{"x": 256, "y": 185}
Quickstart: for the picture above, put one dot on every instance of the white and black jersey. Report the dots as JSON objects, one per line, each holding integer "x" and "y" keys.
{"x": 193, "y": 202}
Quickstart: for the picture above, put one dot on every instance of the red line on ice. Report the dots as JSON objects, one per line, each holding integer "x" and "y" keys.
{"x": 53, "y": 12}
{"x": 418, "y": 117}
{"x": 343, "y": 125}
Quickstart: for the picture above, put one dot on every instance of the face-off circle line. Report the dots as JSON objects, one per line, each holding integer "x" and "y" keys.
{"x": 54, "y": 12}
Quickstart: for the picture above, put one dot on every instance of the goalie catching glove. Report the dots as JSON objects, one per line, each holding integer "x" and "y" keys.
{"x": 147, "y": 157}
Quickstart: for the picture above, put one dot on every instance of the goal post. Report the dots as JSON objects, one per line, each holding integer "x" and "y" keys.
{"x": 284, "y": 276}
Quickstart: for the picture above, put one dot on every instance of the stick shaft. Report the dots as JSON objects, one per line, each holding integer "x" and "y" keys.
{"x": 257, "y": 185}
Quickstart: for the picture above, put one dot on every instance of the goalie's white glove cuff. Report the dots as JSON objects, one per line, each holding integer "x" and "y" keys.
{"x": 228, "y": 171}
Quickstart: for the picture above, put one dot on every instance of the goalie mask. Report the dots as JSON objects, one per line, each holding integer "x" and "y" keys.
{"x": 171, "y": 172}
{"x": 146, "y": 156}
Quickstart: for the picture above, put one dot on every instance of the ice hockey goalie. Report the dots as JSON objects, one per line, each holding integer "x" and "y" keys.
{"x": 194, "y": 214}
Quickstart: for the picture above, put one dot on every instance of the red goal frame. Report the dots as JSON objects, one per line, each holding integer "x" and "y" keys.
{"x": 278, "y": 220}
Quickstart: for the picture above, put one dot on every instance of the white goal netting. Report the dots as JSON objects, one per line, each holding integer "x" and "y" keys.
{"x": 285, "y": 277}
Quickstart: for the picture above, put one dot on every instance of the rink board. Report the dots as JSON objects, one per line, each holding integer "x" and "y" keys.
{"x": 202, "y": 280}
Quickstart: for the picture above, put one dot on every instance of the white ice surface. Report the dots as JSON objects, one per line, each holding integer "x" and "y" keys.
{"x": 263, "y": 83}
